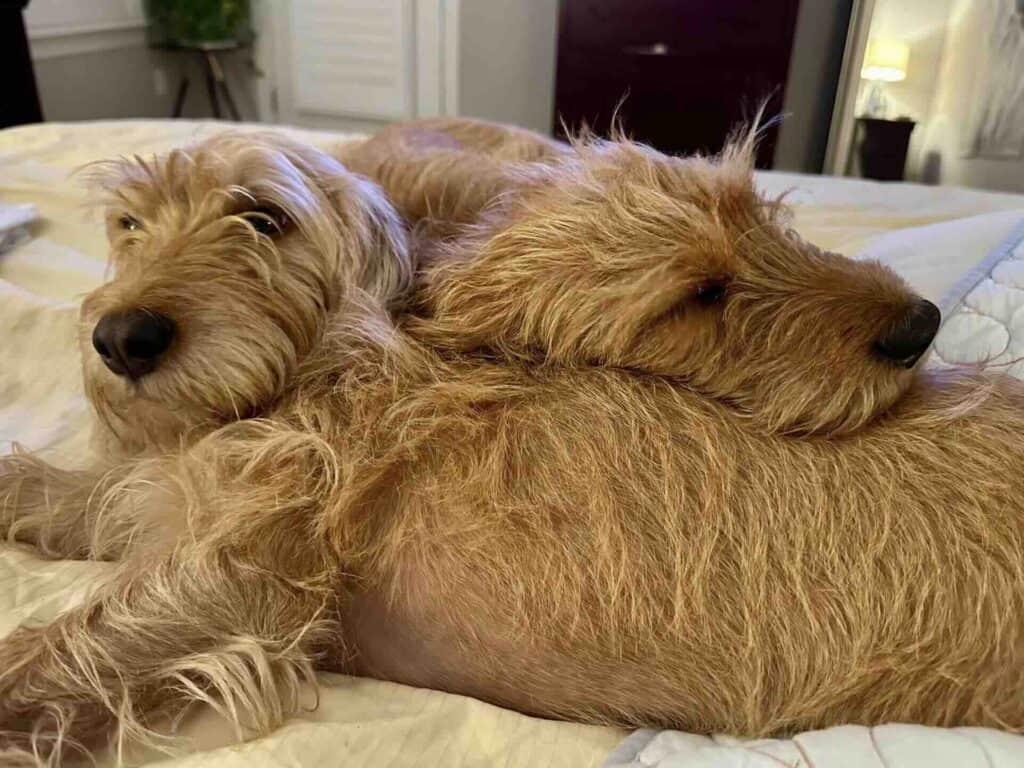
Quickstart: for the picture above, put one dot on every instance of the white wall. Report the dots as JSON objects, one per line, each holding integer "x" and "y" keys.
{"x": 91, "y": 62}
{"x": 503, "y": 68}
{"x": 946, "y": 140}
{"x": 507, "y": 61}
{"x": 922, "y": 24}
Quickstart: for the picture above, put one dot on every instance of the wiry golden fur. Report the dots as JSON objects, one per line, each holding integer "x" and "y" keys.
{"x": 605, "y": 254}
{"x": 200, "y": 261}
{"x": 523, "y": 522}
{"x": 441, "y": 172}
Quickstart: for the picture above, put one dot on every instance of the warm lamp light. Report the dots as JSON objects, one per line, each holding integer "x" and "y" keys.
{"x": 886, "y": 61}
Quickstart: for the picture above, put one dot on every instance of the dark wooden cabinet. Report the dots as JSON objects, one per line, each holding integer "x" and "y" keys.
{"x": 682, "y": 73}
{"x": 19, "y": 102}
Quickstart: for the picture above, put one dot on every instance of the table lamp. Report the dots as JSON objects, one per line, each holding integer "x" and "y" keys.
{"x": 885, "y": 62}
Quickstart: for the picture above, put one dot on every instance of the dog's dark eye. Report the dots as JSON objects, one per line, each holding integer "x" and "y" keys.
{"x": 711, "y": 291}
{"x": 129, "y": 223}
{"x": 267, "y": 221}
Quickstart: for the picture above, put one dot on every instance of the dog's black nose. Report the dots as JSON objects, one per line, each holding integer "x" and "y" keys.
{"x": 908, "y": 339}
{"x": 132, "y": 342}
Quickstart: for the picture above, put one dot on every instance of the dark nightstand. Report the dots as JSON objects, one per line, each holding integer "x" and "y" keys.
{"x": 882, "y": 147}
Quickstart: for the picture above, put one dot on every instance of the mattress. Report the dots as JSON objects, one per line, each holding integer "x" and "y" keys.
{"x": 956, "y": 247}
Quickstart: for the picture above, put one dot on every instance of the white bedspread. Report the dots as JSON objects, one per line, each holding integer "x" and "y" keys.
{"x": 362, "y": 722}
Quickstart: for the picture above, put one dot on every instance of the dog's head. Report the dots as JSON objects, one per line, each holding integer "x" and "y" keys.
{"x": 227, "y": 259}
{"x": 621, "y": 256}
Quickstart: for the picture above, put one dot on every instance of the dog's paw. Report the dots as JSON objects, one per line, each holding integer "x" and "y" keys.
{"x": 22, "y": 489}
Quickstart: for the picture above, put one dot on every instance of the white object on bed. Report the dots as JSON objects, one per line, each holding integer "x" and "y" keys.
{"x": 14, "y": 221}
{"x": 366, "y": 722}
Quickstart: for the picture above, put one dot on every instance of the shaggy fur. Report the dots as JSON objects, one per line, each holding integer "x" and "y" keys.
{"x": 250, "y": 309}
{"x": 577, "y": 542}
{"x": 197, "y": 258}
{"x": 441, "y": 172}
{"x": 611, "y": 253}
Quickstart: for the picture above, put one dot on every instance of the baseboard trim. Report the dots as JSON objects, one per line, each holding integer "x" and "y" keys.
{"x": 55, "y": 42}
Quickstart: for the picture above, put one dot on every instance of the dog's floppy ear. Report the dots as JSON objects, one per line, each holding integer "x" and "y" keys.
{"x": 357, "y": 231}
{"x": 386, "y": 265}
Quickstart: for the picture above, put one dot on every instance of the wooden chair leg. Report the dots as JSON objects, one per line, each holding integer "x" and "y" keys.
{"x": 211, "y": 83}
{"x": 222, "y": 82}
{"x": 179, "y": 100}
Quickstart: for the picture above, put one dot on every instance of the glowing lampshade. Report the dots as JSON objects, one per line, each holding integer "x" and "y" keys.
{"x": 886, "y": 60}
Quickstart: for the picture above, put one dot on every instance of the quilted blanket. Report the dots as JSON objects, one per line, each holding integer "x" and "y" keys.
{"x": 847, "y": 746}
{"x": 941, "y": 240}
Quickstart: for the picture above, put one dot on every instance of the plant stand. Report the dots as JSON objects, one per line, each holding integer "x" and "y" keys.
{"x": 213, "y": 73}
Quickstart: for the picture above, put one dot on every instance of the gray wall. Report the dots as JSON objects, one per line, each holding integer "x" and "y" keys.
{"x": 810, "y": 87}
{"x": 507, "y": 60}
{"x": 123, "y": 83}
{"x": 506, "y": 73}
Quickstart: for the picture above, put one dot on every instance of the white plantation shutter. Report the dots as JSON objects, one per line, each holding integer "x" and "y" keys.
{"x": 353, "y": 58}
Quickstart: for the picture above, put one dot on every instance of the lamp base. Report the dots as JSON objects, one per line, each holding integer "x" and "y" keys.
{"x": 876, "y": 105}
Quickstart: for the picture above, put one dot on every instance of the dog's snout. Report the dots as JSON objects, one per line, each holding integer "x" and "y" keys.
{"x": 132, "y": 342}
{"x": 907, "y": 340}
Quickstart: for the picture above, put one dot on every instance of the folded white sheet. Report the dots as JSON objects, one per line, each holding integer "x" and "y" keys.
{"x": 973, "y": 269}
{"x": 14, "y": 221}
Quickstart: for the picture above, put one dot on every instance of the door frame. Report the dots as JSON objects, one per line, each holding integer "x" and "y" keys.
{"x": 844, "y": 112}
{"x": 435, "y": 61}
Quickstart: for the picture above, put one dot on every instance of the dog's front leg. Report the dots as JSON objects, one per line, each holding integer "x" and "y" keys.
{"x": 209, "y": 621}
{"x": 47, "y": 507}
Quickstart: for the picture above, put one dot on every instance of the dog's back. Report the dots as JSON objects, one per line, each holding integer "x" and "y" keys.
{"x": 444, "y": 171}
{"x": 591, "y": 545}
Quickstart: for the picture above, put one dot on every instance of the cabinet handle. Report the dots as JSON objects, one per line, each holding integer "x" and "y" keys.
{"x": 654, "y": 49}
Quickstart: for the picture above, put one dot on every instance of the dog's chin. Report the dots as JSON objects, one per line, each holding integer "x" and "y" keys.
{"x": 191, "y": 392}
{"x": 144, "y": 414}
{"x": 804, "y": 411}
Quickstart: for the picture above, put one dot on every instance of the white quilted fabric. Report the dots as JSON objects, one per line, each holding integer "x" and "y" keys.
{"x": 849, "y": 746}
{"x": 987, "y": 325}
{"x": 973, "y": 269}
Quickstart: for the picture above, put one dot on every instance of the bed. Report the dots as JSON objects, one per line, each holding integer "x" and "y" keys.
{"x": 959, "y": 248}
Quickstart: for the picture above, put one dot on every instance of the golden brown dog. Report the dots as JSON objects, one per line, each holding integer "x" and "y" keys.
{"x": 570, "y": 540}
{"x": 611, "y": 253}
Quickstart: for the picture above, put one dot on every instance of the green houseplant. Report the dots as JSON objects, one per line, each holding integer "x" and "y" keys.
{"x": 188, "y": 22}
